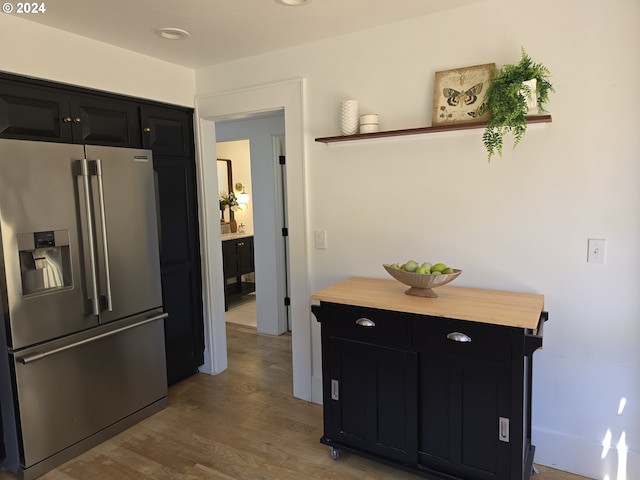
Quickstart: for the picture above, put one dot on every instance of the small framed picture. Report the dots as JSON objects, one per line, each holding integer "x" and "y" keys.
{"x": 459, "y": 92}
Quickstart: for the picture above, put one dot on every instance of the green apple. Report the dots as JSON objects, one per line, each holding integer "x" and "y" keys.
{"x": 427, "y": 265}
{"x": 395, "y": 266}
{"x": 422, "y": 270}
{"x": 438, "y": 267}
{"x": 448, "y": 270}
{"x": 411, "y": 266}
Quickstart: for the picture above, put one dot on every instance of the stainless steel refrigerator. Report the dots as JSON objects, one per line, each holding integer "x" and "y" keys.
{"x": 82, "y": 349}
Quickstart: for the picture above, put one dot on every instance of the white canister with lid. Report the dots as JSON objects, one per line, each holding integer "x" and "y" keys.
{"x": 369, "y": 123}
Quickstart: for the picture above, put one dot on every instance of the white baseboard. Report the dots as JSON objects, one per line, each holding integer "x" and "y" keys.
{"x": 582, "y": 457}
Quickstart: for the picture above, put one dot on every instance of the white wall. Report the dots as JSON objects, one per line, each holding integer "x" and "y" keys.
{"x": 518, "y": 223}
{"x": 39, "y": 51}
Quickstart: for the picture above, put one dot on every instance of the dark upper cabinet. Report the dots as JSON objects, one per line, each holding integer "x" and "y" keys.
{"x": 167, "y": 133}
{"x": 28, "y": 113}
{"x": 105, "y": 122}
{"x": 41, "y": 113}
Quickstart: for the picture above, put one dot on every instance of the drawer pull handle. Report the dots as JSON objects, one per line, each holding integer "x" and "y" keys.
{"x": 459, "y": 337}
{"x": 365, "y": 322}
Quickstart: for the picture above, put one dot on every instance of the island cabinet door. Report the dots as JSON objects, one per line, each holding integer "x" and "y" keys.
{"x": 373, "y": 401}
{"x": 465, "y": 411}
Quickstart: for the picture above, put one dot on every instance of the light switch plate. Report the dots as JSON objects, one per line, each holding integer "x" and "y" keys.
{"x": 321, "y": 239}
{"x": 595, "y": 250}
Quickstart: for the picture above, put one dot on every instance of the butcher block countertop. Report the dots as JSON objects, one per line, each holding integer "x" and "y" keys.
{"x": 497, "y": 307}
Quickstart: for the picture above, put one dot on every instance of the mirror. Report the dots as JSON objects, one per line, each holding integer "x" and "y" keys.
{"x": 225, "y": 176}
{"x": 225, "y": 183}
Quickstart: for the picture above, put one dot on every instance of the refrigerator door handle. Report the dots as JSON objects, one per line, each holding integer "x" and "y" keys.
{"x": 95, "y": 299}
{"x": 39, "y": 356}
{"x": 103, "y": 223}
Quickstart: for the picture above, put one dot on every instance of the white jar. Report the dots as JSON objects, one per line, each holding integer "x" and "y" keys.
{"x": 369, "y": 123}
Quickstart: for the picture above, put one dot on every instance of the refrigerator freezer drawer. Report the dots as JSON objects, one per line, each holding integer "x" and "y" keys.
{"x": 71, "y": 391}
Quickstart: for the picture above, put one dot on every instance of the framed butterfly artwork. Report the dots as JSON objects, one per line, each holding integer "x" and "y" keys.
{"x": 459, "y": 92}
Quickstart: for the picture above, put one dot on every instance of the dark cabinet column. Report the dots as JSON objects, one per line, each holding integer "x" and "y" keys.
{"x": 169, "y": 134}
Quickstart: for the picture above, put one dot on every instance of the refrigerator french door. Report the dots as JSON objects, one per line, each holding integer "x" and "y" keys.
{"x": 81, "y": 298}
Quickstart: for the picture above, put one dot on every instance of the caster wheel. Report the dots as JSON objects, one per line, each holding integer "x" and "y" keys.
{"x": 335, "y": 453}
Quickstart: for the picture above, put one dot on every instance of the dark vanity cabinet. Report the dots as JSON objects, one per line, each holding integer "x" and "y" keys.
{"x": 32, "y": 109}
{"x": 419, "y": 384}
{"x": 238, "y": 260}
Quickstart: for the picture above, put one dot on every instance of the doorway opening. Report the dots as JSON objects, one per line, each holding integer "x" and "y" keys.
{"x": 258, "y": 257}
{"x": 212, "y": 108}
{"x": 237, "y": 231}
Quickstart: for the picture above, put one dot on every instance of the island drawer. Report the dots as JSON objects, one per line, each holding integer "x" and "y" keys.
{"x": 460, "y": 337}
{"x": 367, "y": 324}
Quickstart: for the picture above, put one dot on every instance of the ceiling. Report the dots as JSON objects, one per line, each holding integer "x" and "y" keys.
{"x": 224, "y": 30}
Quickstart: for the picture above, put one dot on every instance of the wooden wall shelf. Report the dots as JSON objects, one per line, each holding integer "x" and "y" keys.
{"x": 422, "y": 130}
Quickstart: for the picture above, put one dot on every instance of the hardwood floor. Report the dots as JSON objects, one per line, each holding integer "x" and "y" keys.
{"x": 243, "y": 424}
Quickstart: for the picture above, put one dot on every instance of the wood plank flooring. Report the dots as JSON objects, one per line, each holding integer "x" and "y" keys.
{"x": 243, "y": 424}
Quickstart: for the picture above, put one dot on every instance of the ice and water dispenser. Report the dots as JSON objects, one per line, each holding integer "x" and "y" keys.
{"x": 45, "y": 261}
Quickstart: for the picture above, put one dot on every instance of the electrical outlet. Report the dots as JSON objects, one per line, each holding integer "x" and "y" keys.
{"x": 595, "y": 250}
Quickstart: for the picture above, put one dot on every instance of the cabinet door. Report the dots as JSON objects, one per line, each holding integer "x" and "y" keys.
{"x": 98, "y": 121}
{"x": 29, "y": 113}
{"x": 230, "y": 258}
{"x": 464, "y": 416}
{"x": 179, "y": 249}
{"x": 373, "y": 401}
{"x": 245, "y": 255}
{"x": 167, "y": 131}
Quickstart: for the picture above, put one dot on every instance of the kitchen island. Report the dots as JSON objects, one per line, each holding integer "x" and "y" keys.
{"x": 440, "y": 386}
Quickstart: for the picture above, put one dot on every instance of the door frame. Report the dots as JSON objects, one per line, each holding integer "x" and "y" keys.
{"x": 287, "y": 95}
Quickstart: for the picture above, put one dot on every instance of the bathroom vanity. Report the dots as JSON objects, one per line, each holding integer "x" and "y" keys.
{"x": 238, "y": 260}
{"x": 440, "y": 386}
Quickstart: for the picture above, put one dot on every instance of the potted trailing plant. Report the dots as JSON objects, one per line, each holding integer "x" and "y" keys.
{"x": 507, "y": 100}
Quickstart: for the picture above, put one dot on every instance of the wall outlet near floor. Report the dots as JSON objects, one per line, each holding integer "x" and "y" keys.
{"x": 595, "y": 250}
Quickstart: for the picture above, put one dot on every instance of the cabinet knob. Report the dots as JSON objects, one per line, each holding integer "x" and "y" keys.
{"x": 67, "y": 119}
{"x": 459, "y": 337}
{"x": 77, "y": 120}
{"x": 365, "y": 322}
{"x": 146, "y": 130}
